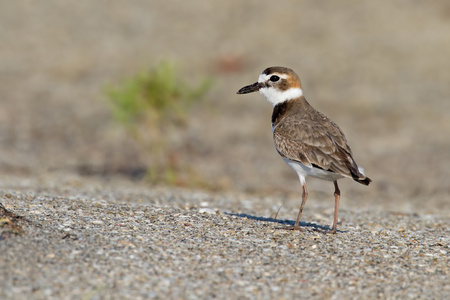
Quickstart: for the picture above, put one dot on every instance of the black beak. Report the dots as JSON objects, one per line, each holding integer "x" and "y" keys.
{"x": 251, "y": 88}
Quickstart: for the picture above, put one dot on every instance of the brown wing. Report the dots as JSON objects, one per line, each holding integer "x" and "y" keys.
{"x": 315, "y": 140}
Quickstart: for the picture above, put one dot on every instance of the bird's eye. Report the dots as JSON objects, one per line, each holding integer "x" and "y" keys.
{"x": 274, "y": 78}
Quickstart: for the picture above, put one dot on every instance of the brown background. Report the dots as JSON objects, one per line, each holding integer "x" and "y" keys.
{"x": 381, "y": 71}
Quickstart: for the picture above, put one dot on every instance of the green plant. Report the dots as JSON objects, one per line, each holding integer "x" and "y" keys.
{"x": 153, "y": 106}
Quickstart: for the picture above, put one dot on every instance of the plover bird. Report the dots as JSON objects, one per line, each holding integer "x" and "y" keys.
{"x": 309, "y": 142}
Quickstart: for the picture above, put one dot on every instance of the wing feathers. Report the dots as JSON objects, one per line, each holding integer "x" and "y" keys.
{"x": 312, "y": 139}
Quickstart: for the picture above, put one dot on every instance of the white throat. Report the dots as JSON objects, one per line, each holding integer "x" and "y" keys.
{"x": 275, "y": 96}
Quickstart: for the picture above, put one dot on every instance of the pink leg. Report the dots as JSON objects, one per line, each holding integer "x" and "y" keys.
{"x": 337, "y": 196}
{"x": 304, "y": 197}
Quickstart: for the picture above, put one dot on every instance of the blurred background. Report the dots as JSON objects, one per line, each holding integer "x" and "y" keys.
{"x": 381, "y": 71}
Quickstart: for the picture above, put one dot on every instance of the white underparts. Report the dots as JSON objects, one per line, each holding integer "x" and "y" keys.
{"x": 305, "y": 171}
{"x": 275, "y": 96}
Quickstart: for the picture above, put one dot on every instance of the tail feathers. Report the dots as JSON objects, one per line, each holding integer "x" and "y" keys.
{"x": 365, "y": 180}
{"x": 361, "y": 177}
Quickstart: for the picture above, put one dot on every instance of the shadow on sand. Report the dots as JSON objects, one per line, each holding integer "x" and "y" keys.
{"x": 287, "y": 223}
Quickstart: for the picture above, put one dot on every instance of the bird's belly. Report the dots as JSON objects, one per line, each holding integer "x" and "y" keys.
{"x": 305, "y": 171}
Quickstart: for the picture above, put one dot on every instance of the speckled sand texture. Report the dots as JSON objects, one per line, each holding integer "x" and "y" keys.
{"x": 98, "y": 242}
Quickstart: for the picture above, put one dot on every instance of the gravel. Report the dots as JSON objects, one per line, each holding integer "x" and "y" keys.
{"x": 107, "y": 240}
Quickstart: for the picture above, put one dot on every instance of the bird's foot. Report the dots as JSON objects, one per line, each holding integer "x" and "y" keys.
{"x": 332, "y": 230}
{"x": 293, "y": 227}
{"x": 326, "y": 231}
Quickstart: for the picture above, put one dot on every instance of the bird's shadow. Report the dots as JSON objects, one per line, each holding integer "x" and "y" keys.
{"x": 287, "y": 223}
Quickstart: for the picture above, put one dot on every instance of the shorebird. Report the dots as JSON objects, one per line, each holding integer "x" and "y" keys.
{"x": 309, "y": 142}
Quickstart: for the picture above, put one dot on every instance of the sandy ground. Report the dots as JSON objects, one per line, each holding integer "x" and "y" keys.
{"x": 116, "y": 240}
{"x": 380, "y": 71}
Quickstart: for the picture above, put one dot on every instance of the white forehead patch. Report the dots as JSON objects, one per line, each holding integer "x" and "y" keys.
{"x": 263, "y": 77}
{"x": 275, "y": 96}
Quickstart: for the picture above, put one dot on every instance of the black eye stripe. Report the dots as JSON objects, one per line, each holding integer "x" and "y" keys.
{"x": 274, "y": 78}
